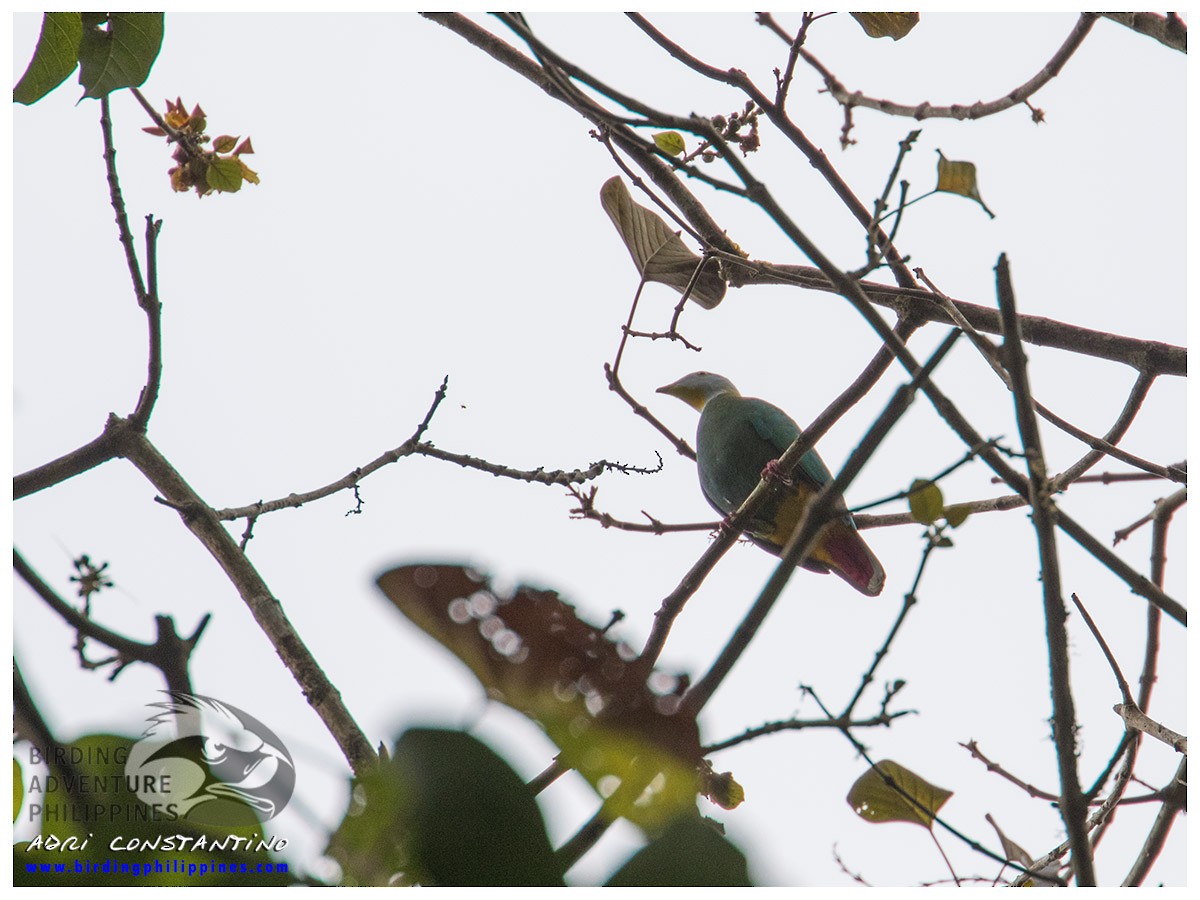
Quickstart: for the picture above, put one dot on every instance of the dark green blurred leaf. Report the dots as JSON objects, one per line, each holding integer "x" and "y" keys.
{"x": 444, "y": 810}
{"x": 957, "y": 514}
{"x": 875, "y": 799}
{"x": 18, "y": 789}
{"x": 54, "y": 58}
{"x": 887, "y": 24}
{"x": 120, "y": 55}
{"x": 689, "y": 853}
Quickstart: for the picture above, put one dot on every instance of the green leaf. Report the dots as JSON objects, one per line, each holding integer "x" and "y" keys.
{"x": 957, "y": 514}
{"x": 689, "y": 853}
{"x": 224, "y": 174}
{"x": 958, "y": 177}
{"x": 887, "y": 24}
{"x": 888, "y": 792}
{"x": 120, "y": 55}
{"x": 54, "y": 58}
{"x": 18, "y": 789}
{"x": 925, "y": 501}
{"x": 444, "y": 810}
{"x": 670, "y": 142}
{"x": 658, "y": 252}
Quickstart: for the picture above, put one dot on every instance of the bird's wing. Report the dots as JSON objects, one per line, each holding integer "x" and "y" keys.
{"x": 776, "y": 427}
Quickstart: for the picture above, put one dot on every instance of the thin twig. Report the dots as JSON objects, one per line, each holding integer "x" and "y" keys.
{"x": 978, "y": 110}
{"x": 1163, "y": 506}
{"x": 1133, "y": 404}
{"x": 1176, "y": 801}
{"x": 1036, "y": 793}
{"x": 883, "y": 718}
{"x": 873, "y": 245}
{"x": 170, "y": 653}
{"x": 118, "y": 202}
{"x": 1122, "y": 684}
{"x": 738, "y": 79}
{"x": 1072, "y": 806}
{"x": 415, "y": 447}
{"x": 916, "y": 802}
{"x": 614, "y": 385}
{"x": 587, "y": 510}
{"x": 150, "y": 303}
{"x": 547, "y": 776}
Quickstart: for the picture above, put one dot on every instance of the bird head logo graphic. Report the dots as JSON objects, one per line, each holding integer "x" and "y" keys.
{"x": 205, "y": 760}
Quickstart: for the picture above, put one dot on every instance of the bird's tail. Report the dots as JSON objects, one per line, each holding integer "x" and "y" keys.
{"x": 847, "y": 554}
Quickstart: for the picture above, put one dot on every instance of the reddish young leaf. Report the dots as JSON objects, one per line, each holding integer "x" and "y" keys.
{"x": 532, "y": 652}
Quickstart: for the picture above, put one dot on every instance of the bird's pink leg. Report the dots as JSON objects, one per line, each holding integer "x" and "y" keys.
{"x": 772, "y": 470}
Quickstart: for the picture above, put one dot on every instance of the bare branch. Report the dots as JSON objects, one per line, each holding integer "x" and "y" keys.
{"x": 977, "y": 110}
{"x": 415, "y": 447}
{"x": 816, "y": 156}
{"x": 1035, "y": 793}
{"x": 1175, "y": 802}
{"x": 993, "y": 504}
{"x": 170, "y": 653}
{"x": 882, "y": 718}
{"x": 587, "y": 510}
{"x": 1136, "y": 719}
{"x": 1072, "y": 806}
{"x": 268, "y": 612}
{"x": 1153, "y": 357}
{"x": 1133, "y": 404}
{"x": 1168, "y": 30}
{"x": 118, "y": 203}
{"x": 1174, "y": 501}
{"x": 1122, "y": 684}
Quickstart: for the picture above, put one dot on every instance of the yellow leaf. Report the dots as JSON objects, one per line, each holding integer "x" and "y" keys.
{"x": 925, "y": 501}
{"x": 670, "y": 142}
{"x": 224, "y": 143}
{"x": 247, "y": 173}
{"x": 887, "y": 24}
{"x": 958, "y": 177}
{"x": 891, "y": 793}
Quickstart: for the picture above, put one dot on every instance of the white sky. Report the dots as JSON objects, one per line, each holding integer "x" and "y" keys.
{"x": 424, "y": 211}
